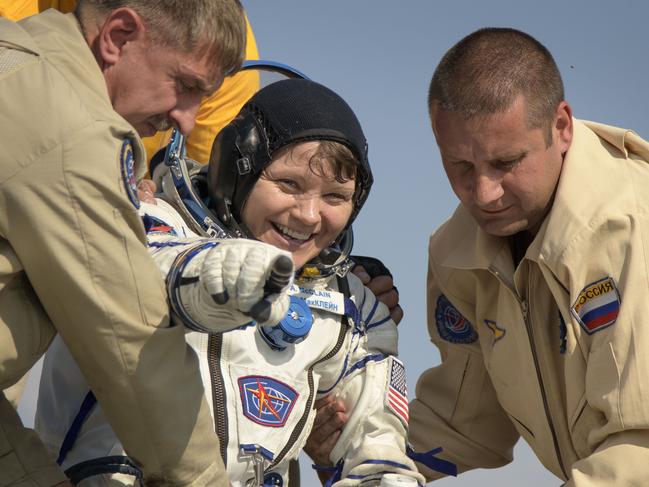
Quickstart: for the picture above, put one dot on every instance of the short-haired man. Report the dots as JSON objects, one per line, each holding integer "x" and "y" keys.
{"x": 216, "y": 110}
{"x": 538, "y": 283}
{"x": 76, "y": 92}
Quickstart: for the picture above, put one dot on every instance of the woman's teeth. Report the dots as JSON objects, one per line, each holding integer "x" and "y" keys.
{"x": 292, "y": 233}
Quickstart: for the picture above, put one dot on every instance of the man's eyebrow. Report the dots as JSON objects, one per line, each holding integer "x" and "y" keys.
{"x": 199, "y": 81}
{"x": 508, "y": 157}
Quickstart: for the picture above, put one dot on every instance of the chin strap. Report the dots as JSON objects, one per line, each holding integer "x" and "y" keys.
{"x": 331, "y": 261}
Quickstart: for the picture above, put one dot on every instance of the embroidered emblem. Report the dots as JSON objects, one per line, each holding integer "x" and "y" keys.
{"x": 396, "y": 397}
{"x": 127, "y": 162}
{"x": 495, "y": 329}
{"x": 163, "y": 229}
{"x": 266, "y": 401}
{"x": 153, "y": 224}
{"x": 597, "y": 305}
{"x": 451, "y": 325}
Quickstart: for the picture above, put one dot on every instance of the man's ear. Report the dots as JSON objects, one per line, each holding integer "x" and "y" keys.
{"x": 563, "y": 126}
{"x": 120, "y": 27}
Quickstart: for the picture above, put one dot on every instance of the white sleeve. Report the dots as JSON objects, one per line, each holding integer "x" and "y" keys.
{"x": 200, "y": 271}
{"x": 373, "y": 441}
{"x": 179, "y": 254}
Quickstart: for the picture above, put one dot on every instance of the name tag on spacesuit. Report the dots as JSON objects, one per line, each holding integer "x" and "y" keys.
{"x": 332, "y": 301}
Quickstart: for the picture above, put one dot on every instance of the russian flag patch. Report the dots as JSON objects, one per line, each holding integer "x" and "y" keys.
{"x": 597, "y": 305}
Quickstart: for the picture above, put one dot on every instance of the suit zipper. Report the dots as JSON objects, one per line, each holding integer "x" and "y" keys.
{"x": 530, "y": 335}
{"x": 297, "y": 431}
{"x": 214, "y": 349}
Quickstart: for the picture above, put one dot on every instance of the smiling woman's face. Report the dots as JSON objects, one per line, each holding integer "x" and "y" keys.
{"x": 297, "y": 205}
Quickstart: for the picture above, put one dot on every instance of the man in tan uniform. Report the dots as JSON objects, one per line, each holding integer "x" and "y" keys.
{"x": 538, "y": 283}
{"x": 216, "y": 110}
{"x": 75, "y": 93}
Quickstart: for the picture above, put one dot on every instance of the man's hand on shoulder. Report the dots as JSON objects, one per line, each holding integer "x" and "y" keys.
{"x": 146, "y": 191}
{"x": 378, "y": 279}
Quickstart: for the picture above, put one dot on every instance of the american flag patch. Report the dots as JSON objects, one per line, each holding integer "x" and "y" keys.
{"x": 597, "y": 305}
{"x": 396, "y": 398}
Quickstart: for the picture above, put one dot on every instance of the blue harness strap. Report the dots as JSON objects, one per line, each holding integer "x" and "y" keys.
{"x": 97, "y": 466}
{"x": 336, "y": 472}
{"x": 104, "y": 465}
{"x": 71, "y": 436}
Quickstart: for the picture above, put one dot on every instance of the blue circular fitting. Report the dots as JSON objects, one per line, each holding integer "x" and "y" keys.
{"x": 273, "y": 479}
{"x": 297, "y": 323}
{"x": 293, "y": 328}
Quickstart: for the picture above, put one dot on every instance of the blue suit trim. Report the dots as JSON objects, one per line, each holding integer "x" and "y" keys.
{"x": 379, "y": 323}
{"x": 162, "y": 245}
{"x": 103, "y": 465}
{"x": 377, "y": 357}
{"x": 73, "y": 432}
{"x": 372, "y": 311}
{"x": 174, "y": 278}
{"x": 342, "y": 374}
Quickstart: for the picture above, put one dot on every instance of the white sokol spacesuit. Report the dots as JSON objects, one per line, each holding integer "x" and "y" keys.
{"x": 260, "y": 395}
{"x": 261, "y": 391}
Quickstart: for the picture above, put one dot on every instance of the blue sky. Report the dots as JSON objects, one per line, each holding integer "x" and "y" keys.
{"x": 380, "y": 56}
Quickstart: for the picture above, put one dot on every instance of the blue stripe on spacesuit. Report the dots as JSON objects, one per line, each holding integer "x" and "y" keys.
{"x": 364, "y": 297}
{"x": 96, "y": 466}
{"x": 173, "y": 283}
{"x": 379, "y": 323}
{"x": 162, "y": 245}
{"x": 73, "y": 432}
{"x": 254, "y": 449}
{"x": 377, "y": 357}
{"x": 342, "y": 374}
{"x": 372, "y": 311}
{"x": 104, "y": 465}
{"x": 386, "y": 462}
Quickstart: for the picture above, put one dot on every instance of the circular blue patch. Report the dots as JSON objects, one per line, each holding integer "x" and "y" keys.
{"x": 127, "y": 162}
{"x": 273, "y": 479}
{"x": 293, "y": 328}
{"x": 451, "y": 325}
{"x": 297, "y": 323}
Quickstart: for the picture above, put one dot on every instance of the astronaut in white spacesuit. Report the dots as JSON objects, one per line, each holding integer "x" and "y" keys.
{"x": 292, "y": 171}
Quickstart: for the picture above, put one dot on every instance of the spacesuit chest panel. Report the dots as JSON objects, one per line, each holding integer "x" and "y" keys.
{"x": 270, "y": 393}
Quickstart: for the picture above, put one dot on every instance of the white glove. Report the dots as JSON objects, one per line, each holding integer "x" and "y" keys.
{"x": 222, "y": 286}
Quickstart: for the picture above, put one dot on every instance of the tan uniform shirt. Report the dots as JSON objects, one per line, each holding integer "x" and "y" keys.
{"x": 555, "y": 350}
{"x": 72, "y": 251}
